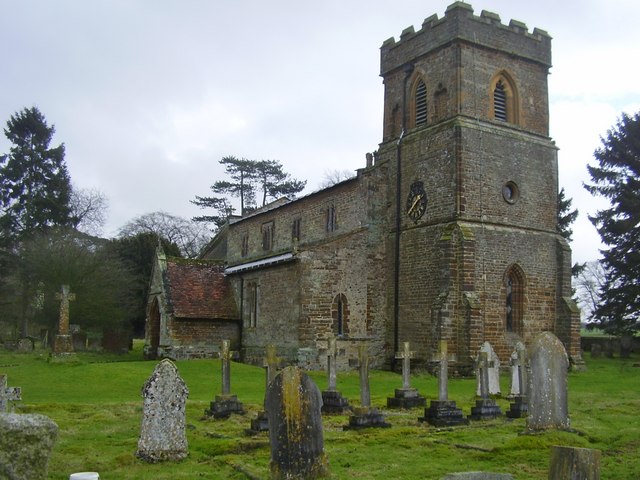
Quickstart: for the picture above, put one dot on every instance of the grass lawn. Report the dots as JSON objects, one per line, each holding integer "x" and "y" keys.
{"x": 96, "y": 403}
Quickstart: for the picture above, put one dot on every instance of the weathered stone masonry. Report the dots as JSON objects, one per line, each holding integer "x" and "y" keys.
{"x": 447, "y": 233}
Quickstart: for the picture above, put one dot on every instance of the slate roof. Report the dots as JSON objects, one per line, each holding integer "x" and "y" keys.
{"x": 198, "y": 289}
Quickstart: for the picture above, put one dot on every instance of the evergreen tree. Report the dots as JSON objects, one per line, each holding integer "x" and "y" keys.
{"x": 616, "y": 177}
{"x": 35, "y": 187}
{"x": 35, "y": 191}
{"x": 274, "y": 183}
{"x": 566, "y": 216}
{"x": 247, "y": 178}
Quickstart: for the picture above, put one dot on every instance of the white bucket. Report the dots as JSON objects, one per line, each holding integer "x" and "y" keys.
{"x": 84, "y": 476}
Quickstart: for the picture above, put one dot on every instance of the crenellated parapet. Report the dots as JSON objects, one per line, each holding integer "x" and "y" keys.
{"x": 460, "y": 24}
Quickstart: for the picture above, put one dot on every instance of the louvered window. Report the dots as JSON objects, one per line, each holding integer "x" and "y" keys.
{"x": 421, "y": 104}
{"x": 500, "y": 102}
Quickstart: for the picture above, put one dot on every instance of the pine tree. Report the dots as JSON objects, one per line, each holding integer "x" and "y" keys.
{"x": 566, "y": 216}
{"x": 273, "y": 182}
{"x": 247, "y": 178}
{"x": 35, "y": 187}
{"x": 617, "y": 178}
{"x": 35, "y": 192}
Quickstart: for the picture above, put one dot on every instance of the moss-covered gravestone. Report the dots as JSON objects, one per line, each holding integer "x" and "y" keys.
{"x": 547, "y": 383}
{"x": 293, "y": 404}
{"x": 162, "y": 434}
{"x": 26, "y": 442}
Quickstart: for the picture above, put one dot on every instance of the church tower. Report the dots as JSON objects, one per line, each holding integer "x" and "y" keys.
{"x": 473, "y": 250}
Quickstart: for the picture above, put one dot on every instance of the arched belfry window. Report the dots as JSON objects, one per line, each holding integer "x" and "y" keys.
{"x": 420, "y": 103}
{"x": 500, "y": 102}
{"x": 340, "y": 315}
{"x": 514, "y": 299}
{"x": 504, "y": 99}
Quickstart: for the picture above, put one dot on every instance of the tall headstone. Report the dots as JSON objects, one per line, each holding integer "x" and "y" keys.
{"x": 365, "y": 416}
{"x": 293, "y": 403}
{"x": 406, "y": 397}
{"x": 519, "y": 407}
{"x": 26, "y": 442}
{"x": 162, "y": 434}
{"x": 64, "y": 342}
{"x": 443, "y": 412}
{"x": 492, "y": 379}
{"x": 547, "y": 383}
{"x": 271, "y": 363}
{"x": 225, "y": 404}
{"x": 8, "y": 394}
{"x": 486, "y": 407}
{"x": 332, "y": 399}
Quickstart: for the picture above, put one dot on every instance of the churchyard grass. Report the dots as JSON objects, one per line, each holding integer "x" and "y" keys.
{"x": 97, "y": 404}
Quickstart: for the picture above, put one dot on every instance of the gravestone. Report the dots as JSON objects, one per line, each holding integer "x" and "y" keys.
{"x": 26, "y": 442}
{"x": 79, "y": 341}
{"x": 486, "y": 407}
{"x": 572, "y": 463}
{"x": 25, "y": 345}
{"x": 332, "y": 399}
{"x": 63, "y": 342}
{"x": 443, "y": 412}
{"x": 547, "y": 383}
{"x": 162, "y": 434}
{"x": 365, "y": 416}
{"x": 225, "y": 404}
{"x": 596, "y": 350}
{"x": 8, "y": 394}
{"x": 406, "y": 397}
{"x": 271, "y": 363}
{"x": 493, "y": 371}
{"x": 519, "y": 408}
{"x": 293, "y": 404}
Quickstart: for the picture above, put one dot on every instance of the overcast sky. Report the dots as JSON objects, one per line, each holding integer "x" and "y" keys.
{"x": 148, "y": 95}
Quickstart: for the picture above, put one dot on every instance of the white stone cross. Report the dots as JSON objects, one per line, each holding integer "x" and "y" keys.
{"x": 406, "y": 355}
{"x": 443, "y": 358}
{"x": 332, "y": 353}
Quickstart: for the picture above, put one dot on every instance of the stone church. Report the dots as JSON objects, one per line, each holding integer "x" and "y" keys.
{"x": 448, "y": 231}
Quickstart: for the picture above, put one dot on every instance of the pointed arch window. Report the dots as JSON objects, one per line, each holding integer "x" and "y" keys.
{"x": 500, "y": 102}
{"x": 340, "y": 315}
{"x": 421, "y": 104}
{"x": 514, "y": 299}
{"x": 504, "y": 99}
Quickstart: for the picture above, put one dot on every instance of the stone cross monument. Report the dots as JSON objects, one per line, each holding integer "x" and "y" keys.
{"x": 8, "y": 394}
{"x": 63, "y": 342}
{"x": 486, "y": 408}
{"x": 271, "y": 363}
{"x": 406, "y": 397}
{"x": 519, "y": 408}
{"x": 332, "y": 399}
{"x": 225, "y": 404}
{"x": 364, "y": 416}
{"x": 443, "y": 412}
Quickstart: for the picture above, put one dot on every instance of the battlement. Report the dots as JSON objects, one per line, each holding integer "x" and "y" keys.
{"x": 460, "y": 24}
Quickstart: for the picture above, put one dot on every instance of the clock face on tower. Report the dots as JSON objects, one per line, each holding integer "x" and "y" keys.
{"x": 416, "y": 201}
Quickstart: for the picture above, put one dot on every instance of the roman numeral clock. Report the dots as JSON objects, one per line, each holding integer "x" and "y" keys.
{"x": 416, "y": 201}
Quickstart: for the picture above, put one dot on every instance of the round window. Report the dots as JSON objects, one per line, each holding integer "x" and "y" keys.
{"x": 510, "y": 192}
